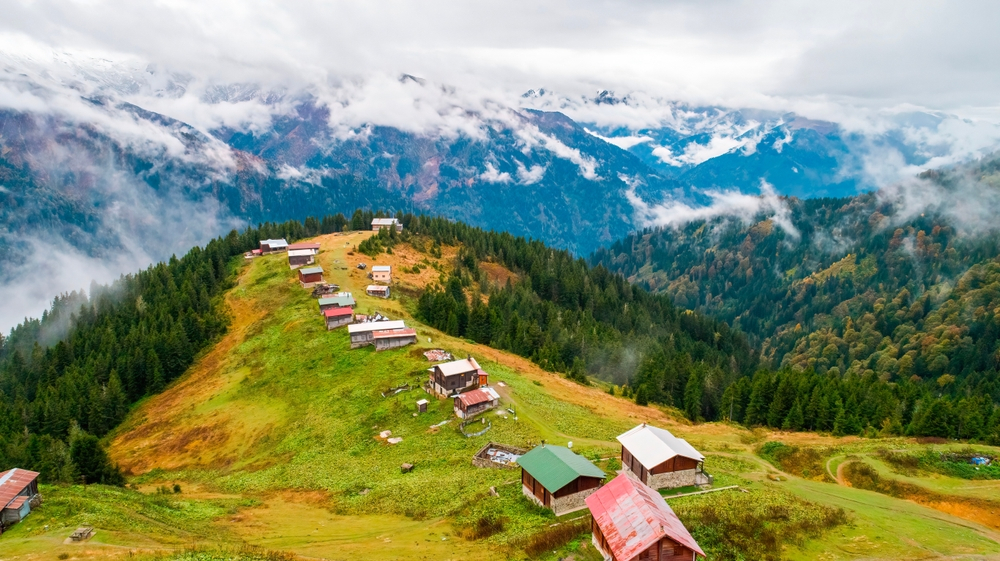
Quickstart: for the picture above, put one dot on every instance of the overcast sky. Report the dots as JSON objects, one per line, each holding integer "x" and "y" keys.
{"x": 798, "y": 55}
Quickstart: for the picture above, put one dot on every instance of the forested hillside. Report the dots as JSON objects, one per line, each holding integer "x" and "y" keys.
{"x": 855, "y": 295}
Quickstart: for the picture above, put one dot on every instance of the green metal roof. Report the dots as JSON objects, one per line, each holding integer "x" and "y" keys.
{"x": 555, "y": 466}
{"x": 311, "y": 270}
{"x": 337, "y": 301}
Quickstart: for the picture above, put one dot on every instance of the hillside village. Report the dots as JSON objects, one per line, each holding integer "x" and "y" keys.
{"x": 465, "y": 451}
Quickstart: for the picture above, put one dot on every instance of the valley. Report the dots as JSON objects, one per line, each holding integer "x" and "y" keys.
{"x": 272, "y": 436}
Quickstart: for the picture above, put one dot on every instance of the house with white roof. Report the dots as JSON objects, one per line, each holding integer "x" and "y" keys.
{"x": 457, "y": 376}
{"x": 364, "y": 333}
{"x": 379, "y": 223}
{"x": 382, "y": 273}
{"x": 661, "y": 460}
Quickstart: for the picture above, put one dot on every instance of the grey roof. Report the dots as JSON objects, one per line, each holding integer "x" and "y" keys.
{"x": 311, "y": 270}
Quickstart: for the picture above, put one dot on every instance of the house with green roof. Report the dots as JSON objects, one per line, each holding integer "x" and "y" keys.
{"x": 557, "y": 478}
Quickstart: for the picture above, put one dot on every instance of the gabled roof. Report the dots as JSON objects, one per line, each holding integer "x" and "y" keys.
{"x": 300, "y": 252}
{"x": 311, "y": 270}
{"x": 381, "y": 269}
{"x": 338, "y": 301}
{"x": 337, "y": 312}
{"x": 274, "y": 243}
{"x": 475, "y": 397}
{"x": 384, "y": 221}
{"x": 303, "y": 245}
{"x": 376, "y": 288}
{"x": 12, "y": 482}
{"x": 632, "y": 517}
{"x": 652, "y": 446}
{"x": 456, "y": 367}
{"x": 556, "y": 466}
{"x": 375, "y": 326}
{"x": 390, "y": 333}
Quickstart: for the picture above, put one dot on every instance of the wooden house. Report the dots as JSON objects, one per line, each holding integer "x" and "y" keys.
{"x": 273, "y": 246}
{"x": 557, "y": 478}
{"x": 632, "y": 522}
{"x": 300, "y": 257}
{"x": 310, "y": 276}
{"x": 364, "y": 333}
{"x": 18, "y": 495}
{"x": 382, "y": 273}
{"x": 661, "y": 460}
{"x": 394, "y": 338}
{"x": 304, "y": 246}
{"x": 474, "y": 402}
{"x": 455, "y": 377}
{"x": 337, "y": 317}
{"x": 338, "y": 300}
{"x": 377, "y": 291}
{"x": 379, "y": 223}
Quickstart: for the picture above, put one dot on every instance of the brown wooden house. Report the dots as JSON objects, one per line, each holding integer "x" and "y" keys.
{"x": 394, "y": 338}
{"x": 455, "y": 377}
{"x": 310, "y": 276}
{"x": 631, "y": 522}
{"x": 556, "y": 478}
{"x": 661, "y": 460}
{"x": 273, "y": 246}
{"x": 18, "y": 495}
{"x": 338, "y": 317}
{"x": 474, "y": 402}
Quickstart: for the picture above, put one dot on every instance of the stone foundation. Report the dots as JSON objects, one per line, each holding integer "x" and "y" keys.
{"x": 562, "y": 505}
{"x": 669, "y": 480}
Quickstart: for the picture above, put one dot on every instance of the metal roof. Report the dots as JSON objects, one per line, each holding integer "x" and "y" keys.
{"x": 12, "y": 482}
{"x": 311, "y": 270}
{"x": 475, "y": 397}
{"x": 555, "y": 466}
{"x": 300, "y": 252}
{"x": 390, "y": 333}
{"x": 652, "y": 446}
{"x": 274, "y": 243}
{"x": 376, "y": 288}
{"x": 375, "y": 326}
{"x": 381, "y": 268}
{"x": 384, "y": 221}
{"x": 632, "y": 517}
{"x": 338, "y": 301}
{"x": 17, "y": 503}
{"x": 456, "y": 367}
{"x": 337, "y": 312}
{"x": 303, "y": 245}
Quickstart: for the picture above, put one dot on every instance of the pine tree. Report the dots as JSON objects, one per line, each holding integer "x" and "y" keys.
{"x": 795, "y": 419}
{"x": 693, "y": 391}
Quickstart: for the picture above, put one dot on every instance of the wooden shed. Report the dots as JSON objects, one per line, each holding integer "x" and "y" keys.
{"x": 377, "y": 291}
{"x": 557, "y": 478}
{"x": 310, "y": 276}
{"x": 659, "y": 459}
{"x": 363, "y": 334}
{"x": 382, "y": 273}
{"x": 300, "y": 257}
{"x": 394, "y": 338}
{"x": 474, "y": 402}
{"x": 454, "y": 377}
{"x": 338, "y": 317}
{"x": 379, "y": 223}
{"x": 632, "y": 522}
{"x": 273, "y": 246}
{"x": 338, "y": 300}
{"x": 18, "y": 495}
{"x": 304, "y": 246}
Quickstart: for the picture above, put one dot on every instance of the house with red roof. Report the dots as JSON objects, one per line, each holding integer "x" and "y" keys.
{"x": 18, "y": 495}
{"x": 337, "y": 317}
{"x": 475, "y": 402}
{"x": 631, "y": 522}
{"x": 394, "y": 338}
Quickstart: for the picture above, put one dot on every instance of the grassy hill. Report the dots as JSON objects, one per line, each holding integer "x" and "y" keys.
{"x": 273, "y": 437}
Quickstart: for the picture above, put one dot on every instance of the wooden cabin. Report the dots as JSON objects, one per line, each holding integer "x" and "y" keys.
{"x": 379, "y": 223}
{"x": 382, "y": 273}
{"x": 455, "y": 377}
{"x": 394, "y": 338}
{"x": 661, "y": 460}
{"x": 300, "y": 257}
{"x": 338, "y": 300}
{"x": 273, "y": 246}
{"x": 631, "y": 522}
{"x": 305, "y": 246}
{"x": 310, "y": 276}
{"x": 18, "y": 495}
{"x": 377, "y": 291}
{"x": 474, "y": 402}
{"x": 338, "y": 317}
{"x": 557, "y": 478}
{"x": 363, "y": 334}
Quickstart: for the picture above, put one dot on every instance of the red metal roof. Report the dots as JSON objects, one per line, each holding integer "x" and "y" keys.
{"x": 338, "y": 312}
{"x": 303, "y": 246}
{"x": 12, "y": 482}
{"x": 633, "y": 517}
{"x": 474, "y": 397}
{"x": 394, "y": 333}
{"x": 17, "y": 503}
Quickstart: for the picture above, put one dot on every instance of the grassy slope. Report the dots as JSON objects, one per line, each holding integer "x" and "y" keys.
{"x": 272, "y": 434}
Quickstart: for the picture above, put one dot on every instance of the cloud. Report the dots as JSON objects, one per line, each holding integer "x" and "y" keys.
{"x": 531, "y": 137}
{"x": 492, "y": 175}
{"x": 623, "y": 142}
{"x": 530, "y": 176}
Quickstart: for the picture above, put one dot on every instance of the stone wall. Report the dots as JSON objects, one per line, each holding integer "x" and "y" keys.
{"x": 562, "y": 505}
{"x": 669, "y": 480}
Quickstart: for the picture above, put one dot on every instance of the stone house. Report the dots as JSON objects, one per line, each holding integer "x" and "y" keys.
{"x": 554, "y": 477}
{"x": 661, "y": 460}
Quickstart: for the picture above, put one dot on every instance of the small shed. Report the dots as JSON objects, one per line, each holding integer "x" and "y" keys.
{"x": 422, "y": 405}
{"x": 557, "y": 478}
{"x": 377, "y": 291}
{"x": 339, "y": 300}
{"x": 273, "y": 246}
{"x": 475, "y": 402}
{"x": 304, "y": 246}
{"x": 659, "y": 459}
{"x": 394, "y": 338}
{"x": 337, "y": 317}
{"x": 300, "y": 257}
{"x": 310, "y": 276}
{"x": 363, "y": 334}
{"x": 18, "y": 495}
{"x": 380, "y": 223}
{"x": 382, "y": 273}
{"x": 455, "y": 376}
{"x": 631, "y": 522}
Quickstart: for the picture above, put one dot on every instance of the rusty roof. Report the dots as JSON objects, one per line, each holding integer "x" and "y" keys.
{"x": 395, "y": 333}
{"x": 303, "y": 246}
{"x": 633, "y": 517}
{"x": 12, "y": 482}
{"x": 475, "y": 397}
{"x": 337, "y": 312}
